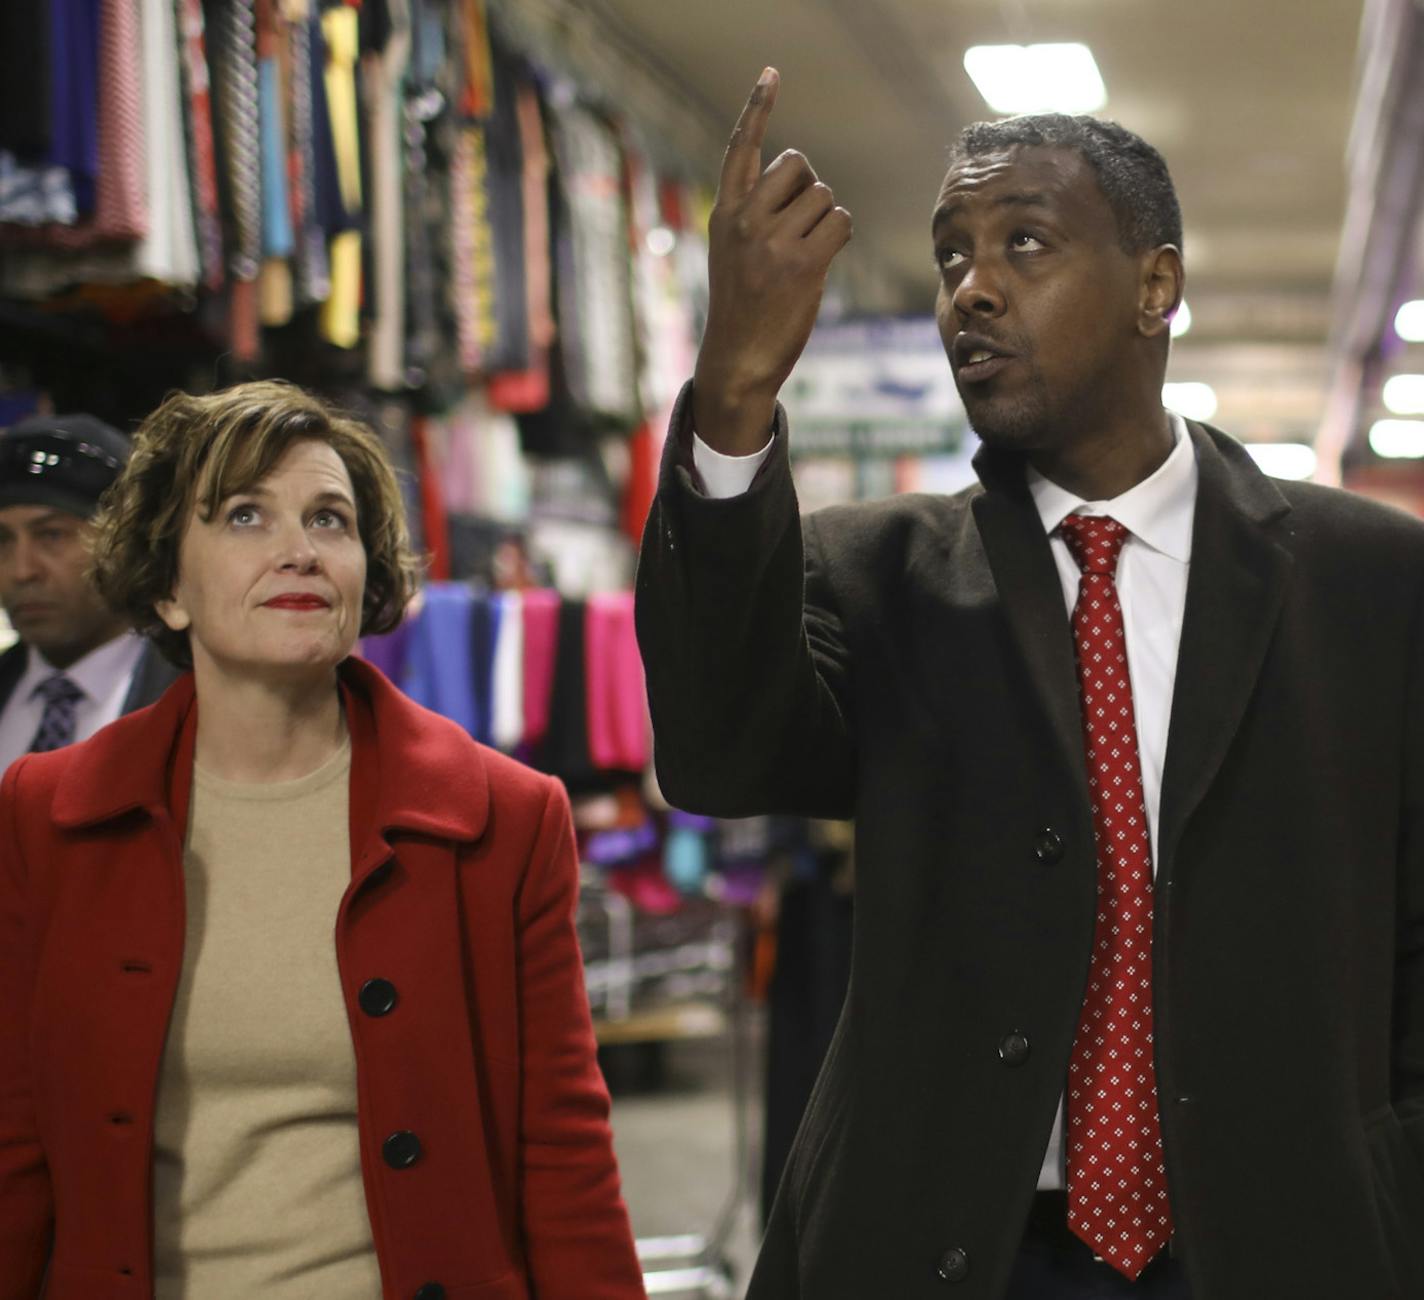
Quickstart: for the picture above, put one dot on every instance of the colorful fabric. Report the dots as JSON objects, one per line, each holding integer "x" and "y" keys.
{"x": 618, "y": 727}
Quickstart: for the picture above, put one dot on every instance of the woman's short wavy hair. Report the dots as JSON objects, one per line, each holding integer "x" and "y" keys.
{"x": 192, "y": 453}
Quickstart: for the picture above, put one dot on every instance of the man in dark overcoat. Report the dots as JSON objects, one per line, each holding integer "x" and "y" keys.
{"x": 1133, "y": 736}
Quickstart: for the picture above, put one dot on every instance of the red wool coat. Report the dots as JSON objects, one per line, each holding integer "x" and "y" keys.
{"x": 462, "y": 894}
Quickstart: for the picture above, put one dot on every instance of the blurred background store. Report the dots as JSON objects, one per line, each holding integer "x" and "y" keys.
{"x": 481, "y": 223}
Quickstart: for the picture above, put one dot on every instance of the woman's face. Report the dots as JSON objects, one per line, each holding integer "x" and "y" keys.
{"x": 272, "y": 584}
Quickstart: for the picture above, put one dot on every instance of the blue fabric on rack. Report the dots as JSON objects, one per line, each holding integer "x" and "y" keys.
{"x": 438, "y": 655}
{"x": 277, "y": 237}
{"x": 484, "y": 636}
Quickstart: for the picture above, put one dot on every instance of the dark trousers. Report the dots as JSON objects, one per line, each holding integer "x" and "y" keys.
{"x": 1053, "y": 1264}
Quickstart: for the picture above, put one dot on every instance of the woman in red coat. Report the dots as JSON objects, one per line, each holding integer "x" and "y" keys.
{"x": 293, "y": 1001}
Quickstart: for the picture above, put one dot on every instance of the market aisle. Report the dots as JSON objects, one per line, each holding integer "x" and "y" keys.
{"x": 676, "y": 1148}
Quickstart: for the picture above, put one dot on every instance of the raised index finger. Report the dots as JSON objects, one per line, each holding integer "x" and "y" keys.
{"x": 741, "y": 165}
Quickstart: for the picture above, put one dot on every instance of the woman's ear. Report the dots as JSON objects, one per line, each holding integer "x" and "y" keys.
{"x": 175, "y": 617}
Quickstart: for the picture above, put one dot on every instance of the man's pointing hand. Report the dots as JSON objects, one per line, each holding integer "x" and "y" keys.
{"x": 772, "y": 237}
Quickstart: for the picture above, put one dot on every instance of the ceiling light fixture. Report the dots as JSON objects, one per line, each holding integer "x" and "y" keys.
{"x": 1181, "y": 320}
{"x": 1195, "y": 401}
{"x": 1397, "y": 439}
{"x": 1283, "y": 459}
{"x": 1059, "y": 78}
{"x": 1409, "y": 321}
{"x": 1404, "y": 394}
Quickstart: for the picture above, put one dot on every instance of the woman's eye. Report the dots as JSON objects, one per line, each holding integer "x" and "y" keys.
{"x": 241, "y": 515}
{"x": 329, "y": 519}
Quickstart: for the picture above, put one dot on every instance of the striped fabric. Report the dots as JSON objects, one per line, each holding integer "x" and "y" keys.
{"x": 202, "y": 160}
{"x": 121, "y": 198}
{"x": 238, "y": 117}
{"x": 313, "y": 269}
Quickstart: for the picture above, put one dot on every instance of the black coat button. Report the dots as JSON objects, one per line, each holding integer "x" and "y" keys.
{"x": 1013, "y": 1048}
{"x": 401, "y": 1149}
{"x": 954, "y": 1265}
{"x": 430, "y": 1291}
{"x": 1048, "y": 846}
{"x": 377, "y": 997}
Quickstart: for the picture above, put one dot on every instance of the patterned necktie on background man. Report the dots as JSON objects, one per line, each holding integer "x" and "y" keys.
{"x": 1117, "y": 1180}
{"x": 56, "y": 727}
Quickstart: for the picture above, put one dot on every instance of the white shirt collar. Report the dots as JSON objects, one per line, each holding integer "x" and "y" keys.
{"x": 1157, "y": 511}
{"x": 95, "y": 674}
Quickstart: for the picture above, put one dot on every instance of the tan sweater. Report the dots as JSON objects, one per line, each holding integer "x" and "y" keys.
{"x": 257, "y": 1171}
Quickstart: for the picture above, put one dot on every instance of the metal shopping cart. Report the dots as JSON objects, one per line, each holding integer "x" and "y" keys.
{"x": 659, "y": 980}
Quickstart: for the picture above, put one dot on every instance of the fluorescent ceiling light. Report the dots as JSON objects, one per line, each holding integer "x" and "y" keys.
{"x": 1036, "y": 78}
{"x": 1409, "y": 321}
{"x": 1182, "y": 321}
{"x": 1195, "y": 401}
{"x": 1404, "y": 394}
{"x": 1283, "y": 459}
{"x": 1397, "y": 438}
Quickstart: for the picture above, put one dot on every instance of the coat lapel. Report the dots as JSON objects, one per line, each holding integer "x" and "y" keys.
{"x": 1235, "y": 590}
{"x": 1032, "y": 599}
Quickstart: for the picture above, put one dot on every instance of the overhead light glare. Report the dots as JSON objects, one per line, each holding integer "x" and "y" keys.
{"x": 1057, "y": 78}
{"x": 1409, "y": 321}
{"x": 1195, "y": 401}
{"x": 1397, "y": 439}
{"x": 1283, "y": 459}
{"x": 661, "y": 241}
{"x": 1182, "y": 321}
{"x": 1404, "y": 394}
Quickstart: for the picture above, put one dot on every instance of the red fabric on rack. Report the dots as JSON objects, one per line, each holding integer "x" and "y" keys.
{"x": 643, "y": 456}
{"x": 435, "y": 526}
{"x": 619, "y": 733}
{"x": 541, "y": 640}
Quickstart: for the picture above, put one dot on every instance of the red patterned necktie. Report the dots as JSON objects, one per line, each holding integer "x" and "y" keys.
{"x": 1117, "y": 1182}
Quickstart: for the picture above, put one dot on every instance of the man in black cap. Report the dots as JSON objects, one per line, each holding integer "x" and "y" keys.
{"x": 77, "y": 665}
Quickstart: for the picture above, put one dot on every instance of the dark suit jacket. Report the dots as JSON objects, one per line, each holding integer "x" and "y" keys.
{"x": 153, "y": 676}
{"x": 910, "y": 663}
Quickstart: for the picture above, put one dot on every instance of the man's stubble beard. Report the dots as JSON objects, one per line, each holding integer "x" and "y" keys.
{"x": 1022, "y": 424}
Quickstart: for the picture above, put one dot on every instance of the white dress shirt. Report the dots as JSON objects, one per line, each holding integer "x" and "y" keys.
{"x": 1152, "y": 588}
{"x": 104, "y": 675}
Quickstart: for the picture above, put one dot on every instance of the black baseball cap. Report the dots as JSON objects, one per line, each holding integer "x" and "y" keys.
{"x": 66, "y": 461}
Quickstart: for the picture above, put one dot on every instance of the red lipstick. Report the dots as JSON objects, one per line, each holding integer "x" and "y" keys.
{"x": 297, "y": 600}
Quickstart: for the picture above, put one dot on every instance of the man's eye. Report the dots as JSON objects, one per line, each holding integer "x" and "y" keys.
{"x": 947, "y": 259}
{"x": 1027, "y": 242}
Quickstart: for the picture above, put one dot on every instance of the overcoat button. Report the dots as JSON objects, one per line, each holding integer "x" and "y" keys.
{"x": 1013, "y": 1049}
{"x": 430, "y": 1291}
{"x": 377, "y": 997}
{"x": 954, "y": 1265}
{"x": 401, "y": 1149}
{"x": 1048, "y": 846}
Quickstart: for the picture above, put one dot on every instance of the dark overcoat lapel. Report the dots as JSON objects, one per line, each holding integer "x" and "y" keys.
{"x": 1234, "y": 593}
{"x": 1032, "y": 599}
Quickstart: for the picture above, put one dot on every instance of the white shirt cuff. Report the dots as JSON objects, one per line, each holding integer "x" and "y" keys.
{"x": 726, "y": 476}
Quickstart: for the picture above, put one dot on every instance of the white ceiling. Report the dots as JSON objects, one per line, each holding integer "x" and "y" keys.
{"x": 1249, "y": 100}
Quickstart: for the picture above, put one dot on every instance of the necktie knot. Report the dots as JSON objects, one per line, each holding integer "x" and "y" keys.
{"x": 57, "y": 722}
{"x": 59, "y": 689}
{"x": 1095, "y": 542}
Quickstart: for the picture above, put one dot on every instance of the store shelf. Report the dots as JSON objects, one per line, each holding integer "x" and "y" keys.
{"x": 664, "y": 1024}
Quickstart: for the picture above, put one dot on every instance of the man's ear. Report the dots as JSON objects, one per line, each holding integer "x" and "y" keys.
{"x": 1162, "y": 282}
